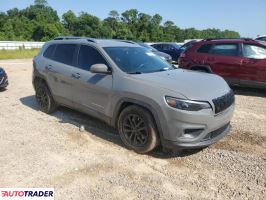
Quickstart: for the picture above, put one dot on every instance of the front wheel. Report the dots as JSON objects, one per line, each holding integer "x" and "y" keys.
{"x": 137, "y": 129}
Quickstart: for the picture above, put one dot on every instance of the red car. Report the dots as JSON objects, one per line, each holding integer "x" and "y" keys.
{"x": 240, "y": 62}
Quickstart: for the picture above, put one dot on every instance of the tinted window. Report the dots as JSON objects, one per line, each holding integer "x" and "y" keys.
{"x": 64, "y": 53}
{"x": 49, "y": 51}
{"x": 253, "y": 51}
{"x": 225, "y": 49}
{"x": 89, "y": 56}
{"x": 137, "y": 60}
{"x": 157, "y": 46}
{"x": 205, "y": 48}
{"x": 167, "y": 47}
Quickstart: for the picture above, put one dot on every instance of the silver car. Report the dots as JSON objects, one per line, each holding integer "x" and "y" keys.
{"x": 130, "y": 88}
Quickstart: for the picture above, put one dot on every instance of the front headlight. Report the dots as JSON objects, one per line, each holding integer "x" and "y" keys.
{"x": 188, "y": 105}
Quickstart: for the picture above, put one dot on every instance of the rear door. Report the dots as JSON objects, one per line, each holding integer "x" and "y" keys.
{"x": 92, "y": 92}
{"x": 59, "y": 70}
{"x": 253, "y": 66}
{"x": 224, "y": 60}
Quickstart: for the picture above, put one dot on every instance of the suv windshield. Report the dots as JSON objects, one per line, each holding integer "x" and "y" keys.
{"x": 137, "y": 60}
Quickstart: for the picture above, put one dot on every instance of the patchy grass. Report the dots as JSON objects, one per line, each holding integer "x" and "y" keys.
{"x": 17, "y": 54}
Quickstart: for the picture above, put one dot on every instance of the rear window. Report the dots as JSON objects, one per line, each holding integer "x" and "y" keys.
{"x": 64, "y": 53}
{"x": 49, "y": 51}
{"x": 225, "y": 49}
{"x": 205, "y": 48}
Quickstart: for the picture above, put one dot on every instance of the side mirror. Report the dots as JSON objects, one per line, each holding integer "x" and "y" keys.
{"x": 100, "y": 69}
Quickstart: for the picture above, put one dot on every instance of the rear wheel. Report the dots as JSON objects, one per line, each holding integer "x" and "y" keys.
{"x": 45, "y": 98}
{"x": 137, "y": 129}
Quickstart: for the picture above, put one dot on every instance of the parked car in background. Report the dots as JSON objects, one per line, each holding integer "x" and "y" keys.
{"x": 186, "y": 46}
{"x": 239, "y": 61}
{"x": 261, "y": 38}
{"x": 163, "y": 55}
{"x": 170, "y": 48}
{"x": 3, "y": 79}
{"x": 125, "y": 85}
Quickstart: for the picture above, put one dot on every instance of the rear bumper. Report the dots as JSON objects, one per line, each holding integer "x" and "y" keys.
{"x": 3, "y": 81}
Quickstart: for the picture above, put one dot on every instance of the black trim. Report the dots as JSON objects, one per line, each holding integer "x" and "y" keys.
{"x": 203, "y": 67}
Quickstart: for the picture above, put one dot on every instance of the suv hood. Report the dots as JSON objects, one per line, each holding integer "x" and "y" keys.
{"x": 191, "y": 84}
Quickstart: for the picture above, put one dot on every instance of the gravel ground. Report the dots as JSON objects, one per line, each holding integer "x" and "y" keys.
{"x": 40, "y": 150}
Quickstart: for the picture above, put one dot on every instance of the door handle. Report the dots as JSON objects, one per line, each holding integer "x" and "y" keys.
{"x": 76, "y": 75}
{"x": 245, "y": 62}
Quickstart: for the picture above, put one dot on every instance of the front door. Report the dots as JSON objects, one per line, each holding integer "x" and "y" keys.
{"x": 253, "y": 66}
{"x": 92, "y": 92}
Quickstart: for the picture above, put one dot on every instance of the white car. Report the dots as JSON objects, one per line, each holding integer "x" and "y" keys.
{"x": 261, "y": 38}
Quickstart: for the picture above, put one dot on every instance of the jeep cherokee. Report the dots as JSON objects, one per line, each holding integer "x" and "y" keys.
{"x": 133, "y": 90}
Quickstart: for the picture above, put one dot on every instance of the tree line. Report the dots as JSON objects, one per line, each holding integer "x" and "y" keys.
{"x": 40, "y": 22}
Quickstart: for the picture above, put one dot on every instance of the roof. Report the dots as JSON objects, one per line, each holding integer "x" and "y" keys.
{"x": 99, "y": 42}
{"x": 229, "y": 40}
{"x": 260, "y": 36}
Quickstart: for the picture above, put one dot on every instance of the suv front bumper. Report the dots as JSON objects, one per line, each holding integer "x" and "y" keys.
{"x": 186, "y": 130}
{"x": 218, "y": 134}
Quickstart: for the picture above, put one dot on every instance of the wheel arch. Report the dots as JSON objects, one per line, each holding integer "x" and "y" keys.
{"x": 125, "y": 102}
{"x": 206, "y": 68}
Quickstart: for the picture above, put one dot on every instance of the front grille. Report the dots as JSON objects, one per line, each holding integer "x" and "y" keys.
{"x": 223, "y": 102}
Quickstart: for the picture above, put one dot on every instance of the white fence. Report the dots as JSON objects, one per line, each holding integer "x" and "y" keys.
{"x": 13, "y": 45}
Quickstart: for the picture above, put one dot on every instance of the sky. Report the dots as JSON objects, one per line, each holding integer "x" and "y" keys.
{"x": 248, "y": 17}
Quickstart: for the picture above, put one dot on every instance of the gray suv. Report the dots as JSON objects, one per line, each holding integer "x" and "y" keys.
{"x": 130, "y": 88}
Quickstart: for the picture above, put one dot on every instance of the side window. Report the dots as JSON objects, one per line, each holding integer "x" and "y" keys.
{"x": 49, "y": 51}
{"x": 253, "y": 51}
{"x": 205, "y": 48}
{"x": 64, "y": 53}
{"x": 166, "y": 47}
{"x": 89, "y": 56}
{"x": 225, "y": 49}
{"x": 157, "y": 46}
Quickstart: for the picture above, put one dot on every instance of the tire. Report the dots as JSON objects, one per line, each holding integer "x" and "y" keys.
{"x": 137, "y": 129}
{"x": 44, "y": 98}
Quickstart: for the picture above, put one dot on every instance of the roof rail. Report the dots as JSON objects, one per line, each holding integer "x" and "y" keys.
{"x": 126, "y": 41}
{"x": 74, "y": 38}
{"x": 210, "y": 39}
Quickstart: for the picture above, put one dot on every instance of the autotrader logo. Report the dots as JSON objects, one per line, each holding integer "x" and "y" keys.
{"x": 27, "y": 193}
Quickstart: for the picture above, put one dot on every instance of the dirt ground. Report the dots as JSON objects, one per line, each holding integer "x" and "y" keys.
{"x": 40, "y": 150}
